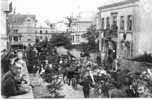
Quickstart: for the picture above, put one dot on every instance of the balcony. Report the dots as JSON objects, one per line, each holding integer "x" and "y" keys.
{"x": 110, "y": 34}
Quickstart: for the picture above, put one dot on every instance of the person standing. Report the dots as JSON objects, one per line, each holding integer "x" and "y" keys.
{"x": 86, "y": 84}
{"x": 98, "y": 59}
{"x": 21, "y": 61}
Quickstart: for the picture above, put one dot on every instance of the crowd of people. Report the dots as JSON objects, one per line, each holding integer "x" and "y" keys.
{"x": 106, "y": 78}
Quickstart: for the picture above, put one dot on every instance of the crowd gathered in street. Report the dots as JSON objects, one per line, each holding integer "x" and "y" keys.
{"x": 105, "y": 77}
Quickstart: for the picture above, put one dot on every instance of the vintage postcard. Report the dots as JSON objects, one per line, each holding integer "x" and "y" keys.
{"x": 76, "y": 49}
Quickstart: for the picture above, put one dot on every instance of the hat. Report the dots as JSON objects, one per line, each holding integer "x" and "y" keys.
{"x": 18, "y": 65}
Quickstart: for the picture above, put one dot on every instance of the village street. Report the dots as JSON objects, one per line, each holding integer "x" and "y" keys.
{"x": 40, "y": 90}
{"x": 76, "y": 49}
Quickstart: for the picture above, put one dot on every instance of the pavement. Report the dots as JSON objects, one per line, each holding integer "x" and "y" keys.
{"x": 40, "y": 90}
{"x": 39, "y": 86}
{"x": 69, "y": 92}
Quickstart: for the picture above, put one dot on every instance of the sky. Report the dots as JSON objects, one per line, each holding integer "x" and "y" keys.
{"x": 55, "y": 10}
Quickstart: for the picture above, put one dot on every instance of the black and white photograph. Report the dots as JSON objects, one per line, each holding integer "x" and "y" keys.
{"x": 76, "y": 49}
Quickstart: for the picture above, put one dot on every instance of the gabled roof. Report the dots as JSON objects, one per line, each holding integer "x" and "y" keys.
{"x": 118, "y": 4}
{"x": 19, "y": 18}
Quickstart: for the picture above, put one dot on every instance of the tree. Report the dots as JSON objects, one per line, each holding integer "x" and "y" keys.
{"x": 61, "y": 39}
{"x": 91, "y": 35}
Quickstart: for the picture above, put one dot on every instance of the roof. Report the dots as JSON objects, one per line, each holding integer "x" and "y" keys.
{"x": 19, "y": 18}
{"x": 118, "y": 4}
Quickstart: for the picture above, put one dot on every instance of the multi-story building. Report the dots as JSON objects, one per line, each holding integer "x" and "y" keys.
{"x": 5, "y": 8}
{"x": 123, "y": 30}
{"x": 78, "y": 30}
{"x": 23, "y": 30}
{"x": 80, "y": 26}
{"x": 43, "y": 33}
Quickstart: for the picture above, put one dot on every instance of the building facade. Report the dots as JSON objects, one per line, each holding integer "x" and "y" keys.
{"x": 78, "y": 29}
{"x": 5, "y": 8}
{"x": 43, "y": 33}
{"x": 80, "y": 26}
{"x": 23, "y": 30}
{"x": 121, "y": 25}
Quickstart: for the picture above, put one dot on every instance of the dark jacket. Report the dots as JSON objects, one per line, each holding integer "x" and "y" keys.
{"x": 87, "y": 83}
{"x": 5, "y": 63}
{"x": 10, "y": 86}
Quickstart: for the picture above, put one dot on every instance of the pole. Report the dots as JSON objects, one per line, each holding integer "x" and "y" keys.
{"x": 100, "y": 37}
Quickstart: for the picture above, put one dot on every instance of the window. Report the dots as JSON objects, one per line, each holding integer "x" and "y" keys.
{"x": 107, "y": 23}
{"x": 129, "y": 22}
{"x": 122, "y": 23}
{"x": 73, "y": 38}
{"x": 41, "y": 37}
{"x": 15, "y": 30}
{"x": 40, "y": 31}
{"x": 77, "y": 38}
{"x": 28, "y": 39}
{"x": 46, "y": 31}
{"x": 102, "y": 26}
{"x": 16, "y": 38}
{"x": 114, "y": 24}
{"x": 114, "y": 20}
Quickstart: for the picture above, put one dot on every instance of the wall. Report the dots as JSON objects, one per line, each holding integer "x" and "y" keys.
{"x": 78, "y": 35}
{"x": 26, "y": 30}
{"x": 28, "y": 38}
{"x": 4, "y": 6}
{"x": 142, "y": 35}
{"x": 145, "y": 34}
{"x": 3, "y": 30}
{"x": 80, "y": 29}
{"x": 84, "y": 26}
{"x": 123, "y": 10}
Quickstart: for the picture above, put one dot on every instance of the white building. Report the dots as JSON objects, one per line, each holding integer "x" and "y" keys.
{"x": 133, "y": 19}
{"x": 80, "y": 26}
{"x": 43, "y": 33}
